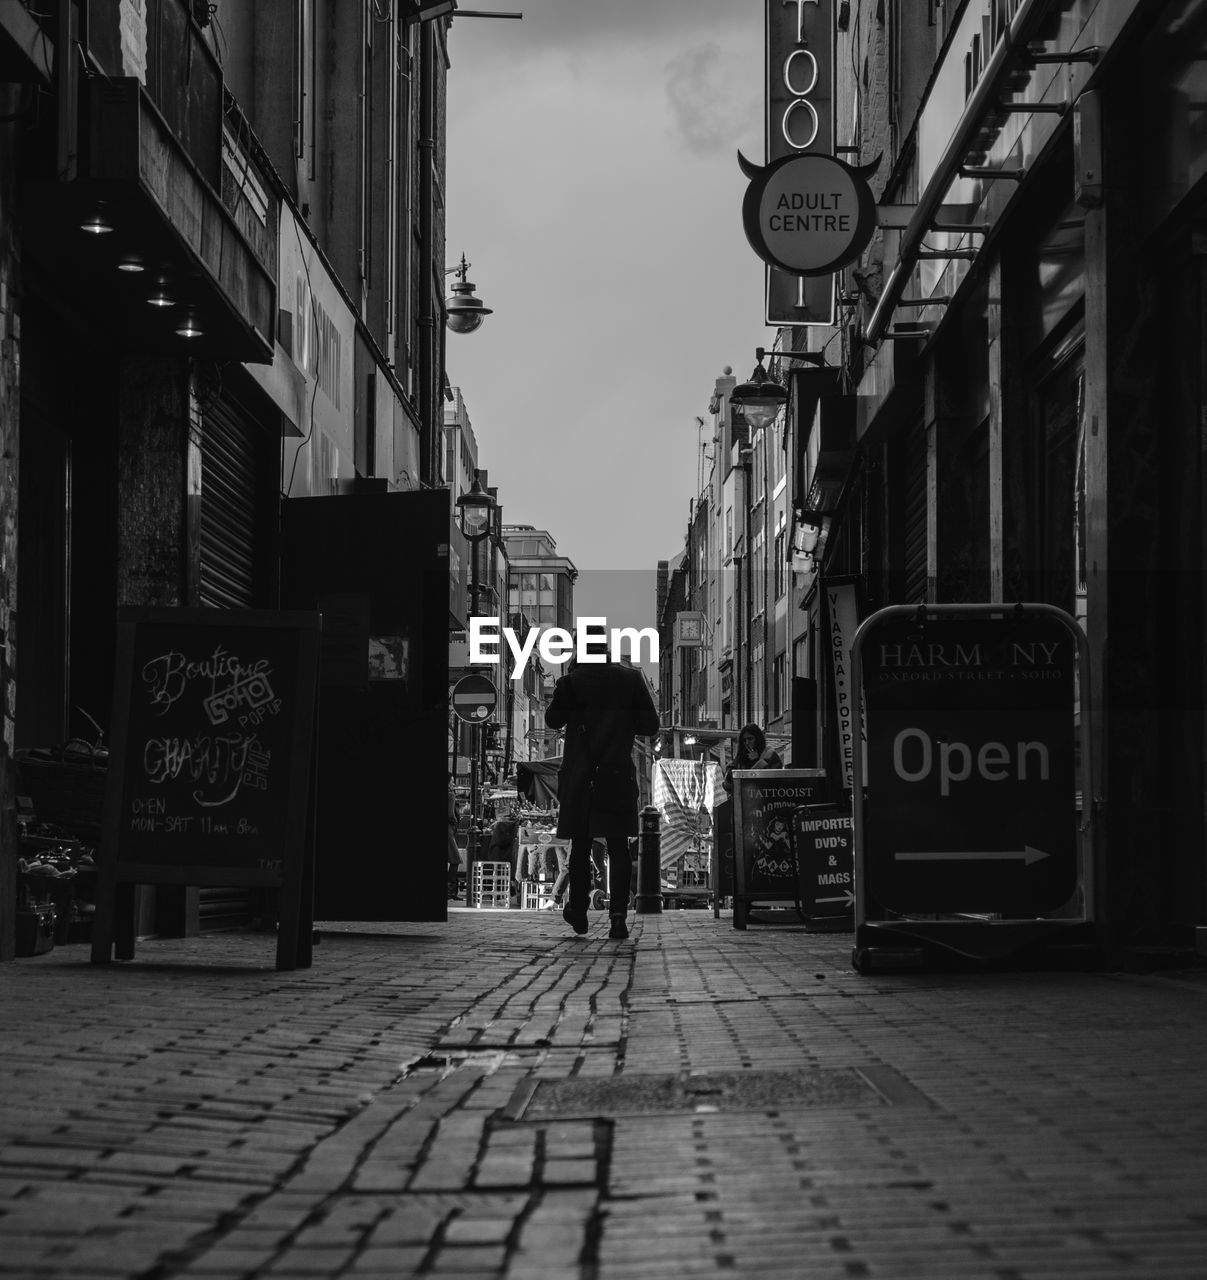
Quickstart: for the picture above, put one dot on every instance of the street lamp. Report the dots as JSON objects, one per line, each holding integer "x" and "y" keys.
{"x": 475, "y": 508}
{"x": 465, "y": 312}
{"x": 763, "y": 397}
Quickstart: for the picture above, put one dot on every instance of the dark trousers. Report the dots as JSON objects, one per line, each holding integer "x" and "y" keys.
{"x": 620, "y": 874}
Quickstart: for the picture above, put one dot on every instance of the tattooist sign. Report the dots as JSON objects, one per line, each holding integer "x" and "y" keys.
{"x": 971, "y": 799}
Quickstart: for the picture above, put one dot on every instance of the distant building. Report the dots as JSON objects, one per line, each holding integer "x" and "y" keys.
{"x": 541, "y": 595}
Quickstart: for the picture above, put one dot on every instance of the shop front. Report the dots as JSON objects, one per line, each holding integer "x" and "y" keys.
{"x": 147, "y": 465}
{"x": 1054, "y": 451}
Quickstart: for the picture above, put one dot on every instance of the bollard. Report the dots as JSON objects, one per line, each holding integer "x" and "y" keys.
{"x": 649, "y": 864}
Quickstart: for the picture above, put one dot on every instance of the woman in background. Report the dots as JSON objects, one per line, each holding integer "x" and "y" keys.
{"x": 753, "y": 753}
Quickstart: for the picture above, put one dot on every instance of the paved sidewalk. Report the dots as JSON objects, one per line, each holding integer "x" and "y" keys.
{"x": 494, "y": 1097}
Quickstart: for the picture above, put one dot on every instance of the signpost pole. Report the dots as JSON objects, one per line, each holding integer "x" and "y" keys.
{"x": 473, "y": 775}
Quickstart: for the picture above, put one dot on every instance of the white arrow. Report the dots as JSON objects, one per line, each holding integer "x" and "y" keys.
{"x": 1027, "y": 854}
{"x": 848, "y": 897}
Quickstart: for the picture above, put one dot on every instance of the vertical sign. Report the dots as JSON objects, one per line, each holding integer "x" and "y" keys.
{"x": 842, "y": 621}
{"x": 800, "y": 77}
{"x": 799, "y": 300}
{"x": 800, "y": 119}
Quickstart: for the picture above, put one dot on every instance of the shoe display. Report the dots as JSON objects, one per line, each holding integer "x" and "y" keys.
{"x": 577, "y": 920}
{"x": 619, "y": 928}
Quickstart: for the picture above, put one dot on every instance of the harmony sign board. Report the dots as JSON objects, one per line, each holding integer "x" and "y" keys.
{"x": 971, "y": 795}
{"x": 212, "y": 728}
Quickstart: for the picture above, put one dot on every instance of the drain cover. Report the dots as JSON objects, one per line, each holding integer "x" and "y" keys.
{"x": 723, "y": 1091}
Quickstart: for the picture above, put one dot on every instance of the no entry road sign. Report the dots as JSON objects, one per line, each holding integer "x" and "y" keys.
{"x": 474, "y": 698}
{"x": 971, "y": 793}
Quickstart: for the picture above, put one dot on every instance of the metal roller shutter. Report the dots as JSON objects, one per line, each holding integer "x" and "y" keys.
{"x": 238, "y": 497}
{"x": 236, "y": 500}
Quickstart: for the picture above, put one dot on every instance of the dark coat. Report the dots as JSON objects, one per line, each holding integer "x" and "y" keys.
{"x": 601, "y": 705}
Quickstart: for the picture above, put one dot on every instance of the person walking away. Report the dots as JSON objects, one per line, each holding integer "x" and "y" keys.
{"x": 602, "y": 706}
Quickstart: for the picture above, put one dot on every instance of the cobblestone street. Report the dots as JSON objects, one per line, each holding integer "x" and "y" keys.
{"x": 494, "y": 1097}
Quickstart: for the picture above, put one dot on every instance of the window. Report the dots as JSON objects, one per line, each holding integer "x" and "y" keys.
{"x": 779, "y": 561}
{"x": 778, "y": 686}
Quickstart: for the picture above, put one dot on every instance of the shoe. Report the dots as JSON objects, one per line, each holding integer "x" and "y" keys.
{"x": 577, "y": 920}
{"x": 619, "y": 929}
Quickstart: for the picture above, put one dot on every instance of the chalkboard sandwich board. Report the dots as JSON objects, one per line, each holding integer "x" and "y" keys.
{"x": 764, "y": 862}
{"x": 210, "y": 762}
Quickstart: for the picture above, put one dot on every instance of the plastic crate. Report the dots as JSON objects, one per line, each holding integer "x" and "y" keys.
{"x": 536, "y": 894}
{"x": 490, "y": 885}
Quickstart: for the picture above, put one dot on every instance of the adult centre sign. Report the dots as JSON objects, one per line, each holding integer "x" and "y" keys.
{"x": 808, "y": 214}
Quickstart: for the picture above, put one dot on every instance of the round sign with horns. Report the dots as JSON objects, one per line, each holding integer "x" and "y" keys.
{"x": 808, "y": 214}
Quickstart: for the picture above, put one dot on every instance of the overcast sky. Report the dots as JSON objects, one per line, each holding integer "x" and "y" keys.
{"x": 593, "y": 185}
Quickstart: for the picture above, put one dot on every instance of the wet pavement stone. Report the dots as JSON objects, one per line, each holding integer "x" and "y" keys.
{"x": 494, "y": 1097}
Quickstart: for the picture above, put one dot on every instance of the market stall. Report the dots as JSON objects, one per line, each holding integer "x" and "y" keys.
{"x": 537, "y": 861}
{"x": 685, "y": 793}
{"x": 536, "y": 781}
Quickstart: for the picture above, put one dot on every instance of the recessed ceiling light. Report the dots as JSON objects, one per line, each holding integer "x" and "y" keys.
{"x": 96, "y": 223}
